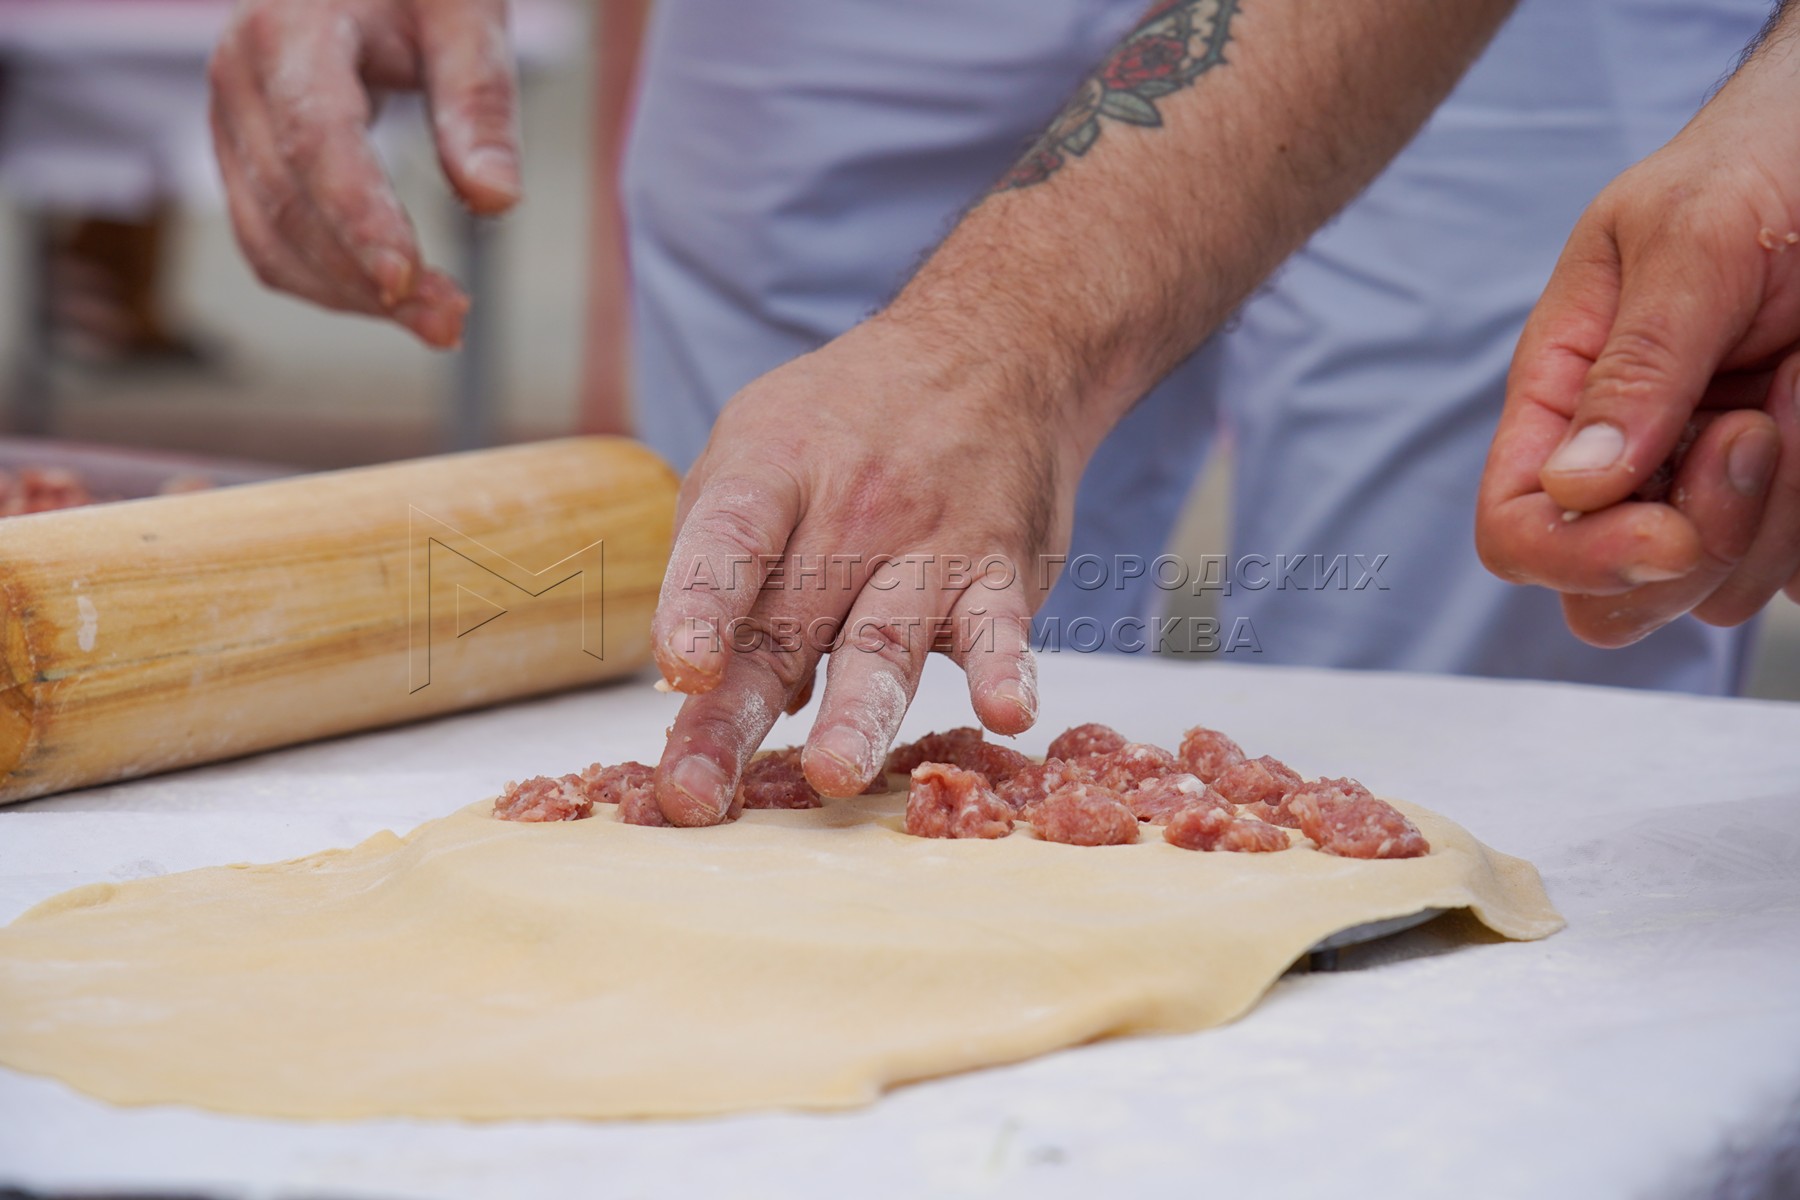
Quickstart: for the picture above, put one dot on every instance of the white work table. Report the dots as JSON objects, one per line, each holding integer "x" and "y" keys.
{"x": 1650, "y": 1049}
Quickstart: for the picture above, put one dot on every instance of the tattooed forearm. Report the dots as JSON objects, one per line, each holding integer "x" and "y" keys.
{"x": 1175, "y": 43}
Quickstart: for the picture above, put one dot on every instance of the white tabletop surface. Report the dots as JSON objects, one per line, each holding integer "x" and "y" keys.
{"x": 1650, "y": 1049}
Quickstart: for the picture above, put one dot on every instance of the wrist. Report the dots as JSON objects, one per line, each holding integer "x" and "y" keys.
{"x": 1765, "y": 89}
{"x": 983, "y": 328}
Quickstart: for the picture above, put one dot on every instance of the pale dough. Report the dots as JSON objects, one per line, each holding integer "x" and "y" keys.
{"x": 483, "y": 969}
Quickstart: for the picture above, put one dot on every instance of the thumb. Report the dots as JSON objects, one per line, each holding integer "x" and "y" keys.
{"x": 473, "y": 93}
{"x": 1677, "y": 319}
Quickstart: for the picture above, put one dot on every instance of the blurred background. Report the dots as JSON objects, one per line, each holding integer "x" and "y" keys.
{"x": 128, "y": 318}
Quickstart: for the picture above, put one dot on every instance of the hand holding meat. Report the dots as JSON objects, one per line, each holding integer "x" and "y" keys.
{"x": 1648, "y": 460}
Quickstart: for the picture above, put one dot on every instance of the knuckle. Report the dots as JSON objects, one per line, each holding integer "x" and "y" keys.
{"x": 786, "y": 665}
{"x": 1687, "y": 217}
{"x": 732, "y": 530}
{"x": 1637, "y": 360}
{"x": 880, "y": 492}
{"x": 792, "y": 669}
{"x": 301, "y": 142}
{"x": 893, "y": 643}
{"x": 287, "y": 214}
{"x": 1718, "y": 560}
{"x": 486, "y": 103}
{"x": 365, "y": 220}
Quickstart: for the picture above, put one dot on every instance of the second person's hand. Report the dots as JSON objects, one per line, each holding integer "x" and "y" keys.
{"x": 295, "y": 84}
{"x": 1673, "y": 314}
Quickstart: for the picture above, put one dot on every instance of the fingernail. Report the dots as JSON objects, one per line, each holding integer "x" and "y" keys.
{"x": 442, "y": 329}
{"x": 1750, "y": 463}
{"x": 688, "y": 671}
{"x": 701, "y": 780}
{"x": 495, "y": 169}
{"x": 846, "y": 745}
{"x": 392, "y": 274}
{"x": 1012, "y": 692}
{"x": 1593, "y": 448}
{"x": 1639, "y": 574}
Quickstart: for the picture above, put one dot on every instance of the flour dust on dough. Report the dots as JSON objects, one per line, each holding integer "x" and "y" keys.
{"x": 485, "y": 969}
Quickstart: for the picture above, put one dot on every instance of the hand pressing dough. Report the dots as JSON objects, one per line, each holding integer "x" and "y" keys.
{"x": 484, "y": 969}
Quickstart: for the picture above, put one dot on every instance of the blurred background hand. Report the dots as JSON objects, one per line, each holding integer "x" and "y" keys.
{"x": 295, "y": 84}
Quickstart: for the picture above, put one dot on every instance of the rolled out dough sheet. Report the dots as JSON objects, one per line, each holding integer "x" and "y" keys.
{"x": 481, "y": 969}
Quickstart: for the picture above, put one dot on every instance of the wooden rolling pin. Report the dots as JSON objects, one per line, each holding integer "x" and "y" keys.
{"x": 159, "y": 633}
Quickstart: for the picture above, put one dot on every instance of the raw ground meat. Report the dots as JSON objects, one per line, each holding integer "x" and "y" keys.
{"x": 949, "y": 802}
{"x": 44, "y": 489}
{"x": 1208, "y": 753}
{"x": 1353, "y": 826}
{"x": 1084, "y": 740}
{"x": 41, "y": 489}
{"x": 933, "y": 747}
{"x": 1031, "y": 784}
{"x": 1084, "y": 814}
{"x": 965, "y": 748}
{"x": 782, "y": 787}
{"x": 541, "y": 798}
{"x": 1156, "y": 800}
{"x": 1658, "y": 483}
{"x": 995, "y": 763}
{"x": 1281, "y": 811}
{"x": 775, "y": 780}
{"x": 1262, "y": 780}
{"x": 610, "y": 785}
{"x": 1123, "y": 769}
{"x": 639, "y": 807}
{"x": 1209, "y": 827}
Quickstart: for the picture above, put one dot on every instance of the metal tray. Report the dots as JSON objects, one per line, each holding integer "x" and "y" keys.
{"x": 1323, "y": 955}
{"x": 128, "y": 473}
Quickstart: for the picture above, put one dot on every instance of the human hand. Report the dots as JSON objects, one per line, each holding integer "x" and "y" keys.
{"x": 295, "y": 84}
{"x": 1674, "y": 313}
{"x": 875, "y": 480}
